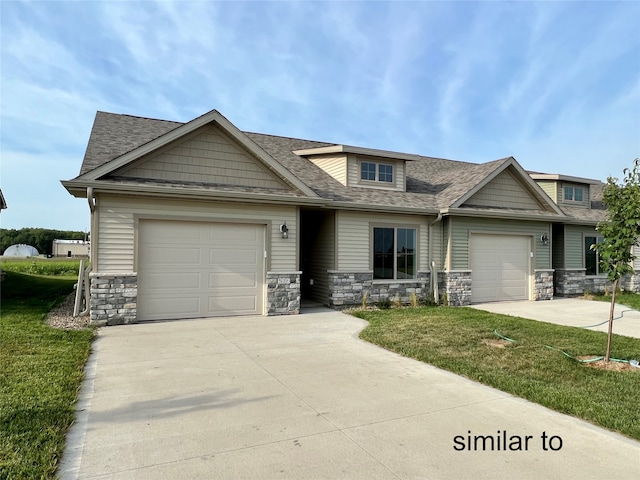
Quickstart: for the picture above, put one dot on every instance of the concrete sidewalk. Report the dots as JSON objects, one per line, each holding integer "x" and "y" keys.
{"x": 574, "y": 312}
{"x": 302, "y": 397}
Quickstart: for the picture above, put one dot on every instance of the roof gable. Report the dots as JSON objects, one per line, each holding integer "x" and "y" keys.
{"x": 511, "y": 175}
{"x": 205, "y": 156}
{"x": 176, "y": 133}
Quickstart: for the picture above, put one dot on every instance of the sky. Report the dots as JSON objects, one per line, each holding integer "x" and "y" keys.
{"x": 555, "y": 84}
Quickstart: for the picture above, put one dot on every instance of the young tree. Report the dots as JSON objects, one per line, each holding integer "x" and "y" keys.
{"x": 620, "y": 232}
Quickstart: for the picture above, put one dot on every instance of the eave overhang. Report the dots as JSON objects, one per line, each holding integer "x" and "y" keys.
{"x": 370, "y": 152}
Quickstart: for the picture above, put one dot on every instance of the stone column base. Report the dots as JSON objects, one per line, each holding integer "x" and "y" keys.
{"x": 283, "y": 293}
{"x": 543, "y": 285}
{"x": 114, "y": 298}
{"x": 458, "y": 287}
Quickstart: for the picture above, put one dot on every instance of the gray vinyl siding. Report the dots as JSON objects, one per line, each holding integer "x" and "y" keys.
{"x": 353, "y": 171}
{"x": 321, "y": 234}
{"x": 504, "y": 191}
{"x": 334, "y": 165}
{"x": 206, "y": 156}
{"x": 636, "y": 262}
{"x": 354, "y": 237}
{"x": 118, "y": 217}
{"x": 461, "y": 227}
{"x": 550, "y": 188}
{"x": 574, "y": 244}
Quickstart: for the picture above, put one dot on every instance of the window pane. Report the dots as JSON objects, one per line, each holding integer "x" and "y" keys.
{"x": 577, "y": 194}
{"x": 568, "y": 193}
{"x": 406, "y": 251}
{"x": 590, "y": 257}
{"x": 383, "y": 252}
{"x": 385, "y": 173}
{"x": 367, "y": 171}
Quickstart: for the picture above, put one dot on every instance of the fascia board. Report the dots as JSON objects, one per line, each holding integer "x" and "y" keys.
{"x": 464, "y": 212}
{"x": 563, "y": 178}
{"x": 382, "y": 208}
{"x": 78, "y": 189}
{"x": 372, "y": 152}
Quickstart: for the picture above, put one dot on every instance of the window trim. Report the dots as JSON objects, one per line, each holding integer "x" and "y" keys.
{"x": 599, "y": 239}
{"x": 377, "y": 173}
{"x": 573, "y": 189}
{"x": 395, "y": 228}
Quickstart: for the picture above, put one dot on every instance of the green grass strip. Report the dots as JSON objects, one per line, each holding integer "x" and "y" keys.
{"x": 460, "y": 340}
{"x": 41, "y": 370}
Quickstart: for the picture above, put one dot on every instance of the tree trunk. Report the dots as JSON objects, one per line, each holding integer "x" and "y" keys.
{"x": 613, "y": 305}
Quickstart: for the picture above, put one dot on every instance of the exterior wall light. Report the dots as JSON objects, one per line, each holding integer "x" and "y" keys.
{"x": 544, "y": 238}
{"x": 284, "y": 230}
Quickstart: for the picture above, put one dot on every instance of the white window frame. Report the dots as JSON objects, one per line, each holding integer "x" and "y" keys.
{"x": 377, "y": 172}
{"x": 573, "y": 189}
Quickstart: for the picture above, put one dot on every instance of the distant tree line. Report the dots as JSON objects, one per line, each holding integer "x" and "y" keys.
{"x": 41, "y": 238}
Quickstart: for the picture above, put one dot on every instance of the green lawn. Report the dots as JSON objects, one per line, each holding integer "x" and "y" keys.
{"x": 623, "y": 298}
{"x": 41, "y": 370}
{"x": 453, "y": 338}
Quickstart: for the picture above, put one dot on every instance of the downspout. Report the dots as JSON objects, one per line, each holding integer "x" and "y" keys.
{"x": 432, "y": 263}
{"x": 85, "y": 273}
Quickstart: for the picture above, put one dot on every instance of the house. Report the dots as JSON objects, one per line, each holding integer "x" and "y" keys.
{"x": 3, "y": 203}
{"x": 200, "y": 219}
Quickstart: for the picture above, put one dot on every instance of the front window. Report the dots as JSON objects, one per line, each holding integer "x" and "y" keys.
{"x": 573, "y": 194}
{"x": 394, "y": 253}
{"x": 380, "y": 172}
{"x": 591, "y": 257}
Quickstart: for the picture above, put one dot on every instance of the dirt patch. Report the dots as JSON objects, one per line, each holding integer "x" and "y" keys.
{"x": 498, "y": 343}
{"x": 611, "y": 366}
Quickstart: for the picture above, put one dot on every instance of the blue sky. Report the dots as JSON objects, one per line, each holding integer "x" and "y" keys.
{"x": 554, "y": 84}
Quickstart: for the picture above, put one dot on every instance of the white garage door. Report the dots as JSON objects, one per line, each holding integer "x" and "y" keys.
{"x": 499, "y": 267}
{"x": 193, "y": 269}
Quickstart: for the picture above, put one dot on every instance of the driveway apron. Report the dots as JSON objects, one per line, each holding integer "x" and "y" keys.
{"x": 296, "y": 397}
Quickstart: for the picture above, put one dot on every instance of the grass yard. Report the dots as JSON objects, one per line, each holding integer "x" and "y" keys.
{"x": 41, "y": 369}
{"x": 462, "y": 340}
{"x": 622, "y": 298}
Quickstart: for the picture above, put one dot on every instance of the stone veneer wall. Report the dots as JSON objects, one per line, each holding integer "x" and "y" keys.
{"x": 543, "y": 285}
{"x": 113, "y": 298}
{"x": 569, "y": 282}
{"x": 631, "y": 283}
{"x": 283, "y": 293}
{"x": 347, "y": 288}
{"x": 458, "y": 287}
{"x": 597, "y": 284}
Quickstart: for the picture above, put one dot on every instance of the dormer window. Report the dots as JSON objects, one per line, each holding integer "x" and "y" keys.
{"x": 376, "y": 172}
{"x": 573, "y": 194}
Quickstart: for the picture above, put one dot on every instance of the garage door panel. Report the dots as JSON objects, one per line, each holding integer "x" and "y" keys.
{"x": 169, "y": 256}
{"x": 199, "y": 269}
{"x": 238, "y": 256}
{"x": 499, "y": 267}
{"x": 164, "y": 307}
{"x": 173, "y": 281}
{"x": 241, "y": 303}
{"x": 233, "y": 280}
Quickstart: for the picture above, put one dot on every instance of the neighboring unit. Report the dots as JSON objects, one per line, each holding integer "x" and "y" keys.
{"x": 201, "y": 219}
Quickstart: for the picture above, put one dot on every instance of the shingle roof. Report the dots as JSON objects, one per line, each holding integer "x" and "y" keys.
{"x": 432, "y": 183}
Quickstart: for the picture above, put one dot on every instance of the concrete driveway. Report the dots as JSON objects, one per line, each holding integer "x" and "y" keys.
{"x": 574, "y": 312}
{"x": 302, "y": 397}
